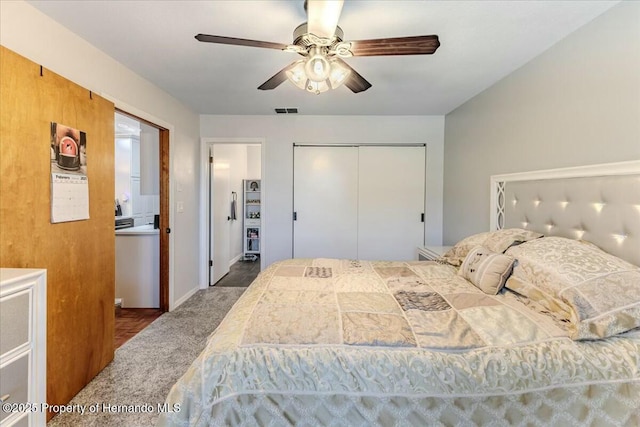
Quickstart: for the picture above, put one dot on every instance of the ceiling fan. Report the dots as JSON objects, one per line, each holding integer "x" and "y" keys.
{"x": 320, "y": 41}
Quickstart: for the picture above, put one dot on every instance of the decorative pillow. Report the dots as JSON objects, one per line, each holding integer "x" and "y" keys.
{"x": 598, "y": 292}
{"x": 496, "y": 241}
{"x": 487, "y": 270}
{"x": 459, "y": 251}
{"x": 501, "y": 240}
{"x": 556, "y": 307}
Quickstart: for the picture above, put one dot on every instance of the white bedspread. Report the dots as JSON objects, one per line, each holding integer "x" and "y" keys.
{"x": 341, "y": 342}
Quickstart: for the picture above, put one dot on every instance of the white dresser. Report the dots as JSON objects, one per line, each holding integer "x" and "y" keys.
{"x": 430, "y": 253}
{"x": 23, "y": 346}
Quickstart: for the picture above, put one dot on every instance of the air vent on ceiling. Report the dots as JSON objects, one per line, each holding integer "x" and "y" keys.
{"x": 286, "y": 111}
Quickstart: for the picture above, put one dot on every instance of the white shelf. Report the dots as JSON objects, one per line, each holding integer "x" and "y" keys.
{"x": 252, "y": 227}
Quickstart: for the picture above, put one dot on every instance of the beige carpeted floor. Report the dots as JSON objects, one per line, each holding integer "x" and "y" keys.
{"x": 146, "y": 366}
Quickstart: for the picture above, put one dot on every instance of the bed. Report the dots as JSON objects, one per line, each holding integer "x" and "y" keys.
{"x": 530, "y": 323}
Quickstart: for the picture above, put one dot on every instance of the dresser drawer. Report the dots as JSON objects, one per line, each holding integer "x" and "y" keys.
{"x": 15, "y": 312}
{"x": 14, "y": 380}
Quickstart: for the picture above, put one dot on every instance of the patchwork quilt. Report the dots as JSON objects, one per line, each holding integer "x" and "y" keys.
{"x": 388, "y": 304}
{"x": 346, "y": 342}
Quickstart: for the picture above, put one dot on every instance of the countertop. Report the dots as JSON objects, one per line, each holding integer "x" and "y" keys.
{"x": 140, "y": 230}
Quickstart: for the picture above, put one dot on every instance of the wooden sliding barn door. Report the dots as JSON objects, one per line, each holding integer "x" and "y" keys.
{"x": 79, "y": 255}
{"x": 364, "y": 202}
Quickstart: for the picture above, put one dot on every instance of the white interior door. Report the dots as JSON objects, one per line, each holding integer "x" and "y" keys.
{"x": 391, "y": 202}
{"x": 325, "y": 199}
{"x": 220, "y": 220}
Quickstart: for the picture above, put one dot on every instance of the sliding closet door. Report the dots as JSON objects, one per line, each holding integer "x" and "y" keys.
{"x": 325, "y": 197}
{"x": 390, "y": 202}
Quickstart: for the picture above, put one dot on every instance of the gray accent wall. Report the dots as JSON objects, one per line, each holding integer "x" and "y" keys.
{"x": 576, "y": 104}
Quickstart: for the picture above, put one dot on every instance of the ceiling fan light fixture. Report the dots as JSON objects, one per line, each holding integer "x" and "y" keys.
{"x": 318, "y": 73}
{"x": 297, "y": 75}
{"x": 339, "y": 74}
{"x": 317, "y": 87}
{"x": 317, "y": 67}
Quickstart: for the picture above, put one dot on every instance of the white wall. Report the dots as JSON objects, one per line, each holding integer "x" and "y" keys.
{"x": 279, "y": 133}
{"x": 254, "y": 161}
{"x": 578, "y": 103}
{"x": 30, "y": 33}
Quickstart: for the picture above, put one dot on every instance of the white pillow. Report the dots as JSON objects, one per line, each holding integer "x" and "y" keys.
{"x": 599, "y": 292}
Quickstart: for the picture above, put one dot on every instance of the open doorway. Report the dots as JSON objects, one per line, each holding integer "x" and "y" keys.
{"x": 235, "y": 201}
{"x": 142, "y": 218}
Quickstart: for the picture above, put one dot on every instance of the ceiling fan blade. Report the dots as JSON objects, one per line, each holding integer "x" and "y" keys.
{"x": 277, "y": 78}
{"x": 207, "y": 38}
{"x": 415, "y": 45}
{"x": 355, "y": 81}
{"x": 322, "y": 16}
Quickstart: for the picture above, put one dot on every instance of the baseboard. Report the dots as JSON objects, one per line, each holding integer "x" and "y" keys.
{"x": 185, "y": 297}
{"x": 234, "y": 260}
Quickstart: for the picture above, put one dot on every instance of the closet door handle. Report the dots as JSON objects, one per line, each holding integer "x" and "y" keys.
{"x": 295, "y": 216}
{"x": 422, "y": 217}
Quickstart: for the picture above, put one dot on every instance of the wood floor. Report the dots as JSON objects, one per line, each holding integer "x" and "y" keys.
{"x": 130, "y": 321}
{"x": 241, "y": 273}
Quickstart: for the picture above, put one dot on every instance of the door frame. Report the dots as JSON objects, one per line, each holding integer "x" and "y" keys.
{"x": 205, "y": 145}
{"x": 166, "y": 218}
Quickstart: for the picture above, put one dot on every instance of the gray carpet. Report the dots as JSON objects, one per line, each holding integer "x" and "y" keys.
{"x": 146, "y": 366}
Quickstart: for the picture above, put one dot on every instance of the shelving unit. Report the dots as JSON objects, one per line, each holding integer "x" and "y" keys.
{"x": 252, "y": 209}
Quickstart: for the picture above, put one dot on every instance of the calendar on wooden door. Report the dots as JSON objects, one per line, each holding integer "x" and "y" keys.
{"x": 69, "y": 182}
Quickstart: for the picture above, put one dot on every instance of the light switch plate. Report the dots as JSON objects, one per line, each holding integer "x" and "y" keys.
{"x": 180, "y": 206}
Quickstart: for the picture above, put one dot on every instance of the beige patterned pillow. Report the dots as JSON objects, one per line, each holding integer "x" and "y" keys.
{"x": 459, "y": 251}
{"x": 501, "y": 240}
{"x": 496, "y": 241}
{"x": 555, "y": 306}
{"x": 487, "y": 270}
{"x": 599, "y": 292}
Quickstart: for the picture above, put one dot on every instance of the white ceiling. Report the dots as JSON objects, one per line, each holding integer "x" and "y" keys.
{"x": 481, "y": 42}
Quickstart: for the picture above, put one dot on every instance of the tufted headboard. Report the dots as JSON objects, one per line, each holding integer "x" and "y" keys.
{"x": 599, "y": 203}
